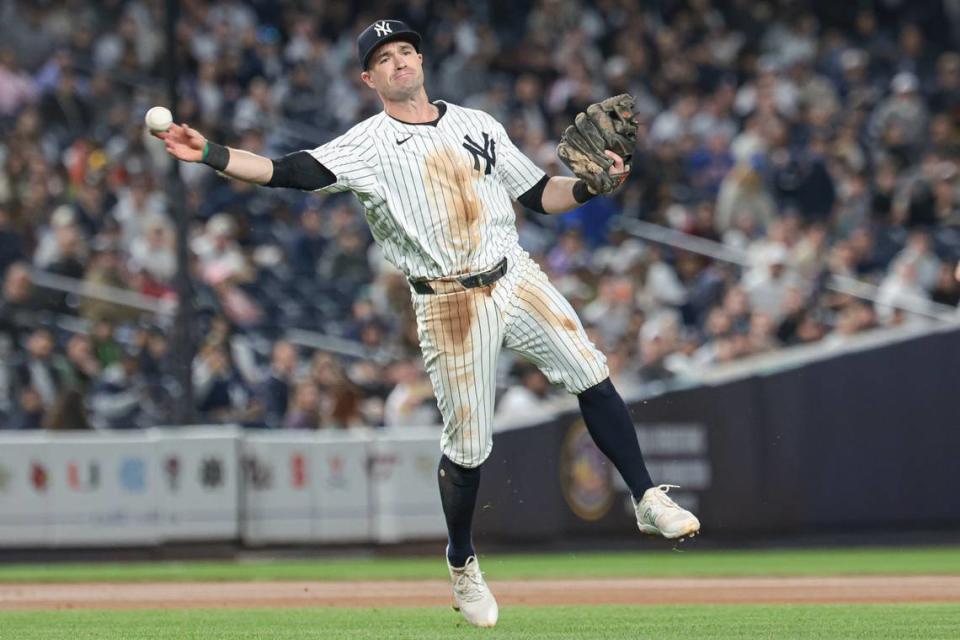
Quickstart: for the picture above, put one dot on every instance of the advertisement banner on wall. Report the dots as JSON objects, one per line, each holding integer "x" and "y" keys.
{"x": 25, "y": 504}
{"x": 341, "y": 487}
{"x": 278, "y": 496}
{"x": 103, "y": 488}
{"x": 403, "y": 468}
{"x": 199, "y": 482}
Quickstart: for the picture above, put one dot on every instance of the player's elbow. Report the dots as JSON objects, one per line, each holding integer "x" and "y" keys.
{"x": 532, "y": 198}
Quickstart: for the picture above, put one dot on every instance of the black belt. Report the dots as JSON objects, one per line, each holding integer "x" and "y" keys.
{"x": 481, "y": 279}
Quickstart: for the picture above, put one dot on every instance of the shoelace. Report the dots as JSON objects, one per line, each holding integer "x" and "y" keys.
{"x": 664, "y": 498}
{"x": 469, "y": 585}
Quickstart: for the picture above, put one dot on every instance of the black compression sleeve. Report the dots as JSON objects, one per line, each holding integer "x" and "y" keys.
{"x": 300, "y": 170}
{"x": 532, "y": 198}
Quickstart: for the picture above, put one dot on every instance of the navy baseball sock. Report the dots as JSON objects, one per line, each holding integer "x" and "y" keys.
{"x": 611, "y": 427}
{"x": 458, "y": 493}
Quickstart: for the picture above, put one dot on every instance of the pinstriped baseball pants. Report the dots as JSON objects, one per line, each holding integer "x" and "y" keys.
{"x": 462, "y": 331}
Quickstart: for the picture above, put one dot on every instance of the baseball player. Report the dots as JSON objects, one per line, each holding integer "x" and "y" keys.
{"x": 436, "y": 182}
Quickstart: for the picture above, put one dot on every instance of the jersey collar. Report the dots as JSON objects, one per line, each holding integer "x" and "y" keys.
{"x": 441, "y": 107}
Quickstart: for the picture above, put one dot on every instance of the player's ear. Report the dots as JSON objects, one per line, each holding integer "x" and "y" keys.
{"x": 367, "y": 78}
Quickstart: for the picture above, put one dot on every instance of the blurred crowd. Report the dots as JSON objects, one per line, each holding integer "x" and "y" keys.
{"x": 812, "y": 140}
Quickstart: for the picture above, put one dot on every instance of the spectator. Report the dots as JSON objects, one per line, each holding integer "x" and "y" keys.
{"x": 117, "y": 401}
{"x": 742, "y": 193}
{"x": 528, "y": 397}
{"x": 304, "y": 411}
{"x": 21, "y": 305}
{"x": 946, "y": 94}
{"x": 947, "y": 289}
{"x": 901, "y": 289}
{"x": 39, "y": 369}
{"x": 220, "y": 255}
{"x": 308, "y": 243}
{"x": 346, "y": 261}
{"x": 411, "y": 402}
{"x": 29, "y": 412}
{"x": 274, "y": 391}
{"x": 344, "y": 407}
{"x": 17, "y": 88}
{"x": 153, "y": 254}
{"x": 221, "y": 394}
{"x": 62, "y": 250}
{"x": 79, "y": 370}
{"x": 900, "y": 121}
{"x": 919, "y": 252}
{"x": 10, "y": 242}
{"x": 107, "y": 269}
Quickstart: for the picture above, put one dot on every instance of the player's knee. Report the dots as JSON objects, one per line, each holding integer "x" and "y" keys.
{"x": 458, "y": 474}
{"x": 466, "y": 457}
{"x": 588, "y": 379}
{"x": 603, "y": 389}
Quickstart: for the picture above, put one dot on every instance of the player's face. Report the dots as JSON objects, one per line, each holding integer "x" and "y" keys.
{"x": 395, "y": 71}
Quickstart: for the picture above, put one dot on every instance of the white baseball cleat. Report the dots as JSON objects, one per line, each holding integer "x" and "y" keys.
{"x": 657, "y": 514}
{"x": 471, "y": 594}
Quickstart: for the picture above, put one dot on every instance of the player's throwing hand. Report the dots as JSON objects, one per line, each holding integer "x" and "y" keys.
{"x": 182, "y": 142}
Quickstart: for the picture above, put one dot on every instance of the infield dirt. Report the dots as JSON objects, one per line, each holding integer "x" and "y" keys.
{"x": 652, "y": 591}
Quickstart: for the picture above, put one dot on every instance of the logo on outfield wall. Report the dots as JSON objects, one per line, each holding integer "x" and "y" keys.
{"x": 211, "y": 473}
{"x": 298, "y": 471}
{"x": 5, "y": 478}
{"x": 171, "y": 471}
{"x": 336, "y": 478}
{"x": 585, "y": 474}
{"x": 380, "y": 466}
{"x": 83, "y": 477}
{"x": 38, "y": 477}
{"x": 258, "y": 473}
{"x": 133, "y": 475}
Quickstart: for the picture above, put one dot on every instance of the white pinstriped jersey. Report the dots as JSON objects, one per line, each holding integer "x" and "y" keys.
{"x": 437, "y": 196}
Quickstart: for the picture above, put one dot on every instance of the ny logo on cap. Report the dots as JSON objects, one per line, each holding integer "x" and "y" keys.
{"x": 382, "y": 28}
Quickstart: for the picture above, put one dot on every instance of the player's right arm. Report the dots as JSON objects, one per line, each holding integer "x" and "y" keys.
{"x": 297, "y": 170}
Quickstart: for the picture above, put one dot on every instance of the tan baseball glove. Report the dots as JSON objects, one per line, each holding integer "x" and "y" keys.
{"x": 605, "y": 126}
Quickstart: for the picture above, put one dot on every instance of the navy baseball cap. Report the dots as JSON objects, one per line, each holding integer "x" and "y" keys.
{"x": 383, "y": 31}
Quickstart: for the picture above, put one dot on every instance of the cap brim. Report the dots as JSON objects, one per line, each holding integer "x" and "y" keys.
{"x": 407, "y": 36}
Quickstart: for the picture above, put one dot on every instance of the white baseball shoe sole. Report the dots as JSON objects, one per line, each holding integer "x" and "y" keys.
{"x": 659, "y": 515}
{"x": 472, "y": 596}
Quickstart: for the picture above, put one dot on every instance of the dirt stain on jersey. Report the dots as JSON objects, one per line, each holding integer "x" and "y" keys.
{"x": 535, "y": 300}
{"x": 449, "y": 320}
{"x": 451, "y": 191}
{"x": 537, "y": 303}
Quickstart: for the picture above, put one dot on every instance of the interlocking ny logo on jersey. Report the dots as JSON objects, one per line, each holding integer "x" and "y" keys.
{"x": 382, "y": 28}
{"x": 488, "y": 152}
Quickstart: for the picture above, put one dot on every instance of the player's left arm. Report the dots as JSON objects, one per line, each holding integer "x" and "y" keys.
{"x": 530, "y": 186}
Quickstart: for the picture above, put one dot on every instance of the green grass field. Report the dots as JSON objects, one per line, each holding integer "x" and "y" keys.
{"x": 821, "y": 622}
{"x": 652, "y": 563}
{"x": 873, "y": 622}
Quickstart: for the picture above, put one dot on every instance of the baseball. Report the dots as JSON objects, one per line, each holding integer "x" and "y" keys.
{"x": 158, "y": 119}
